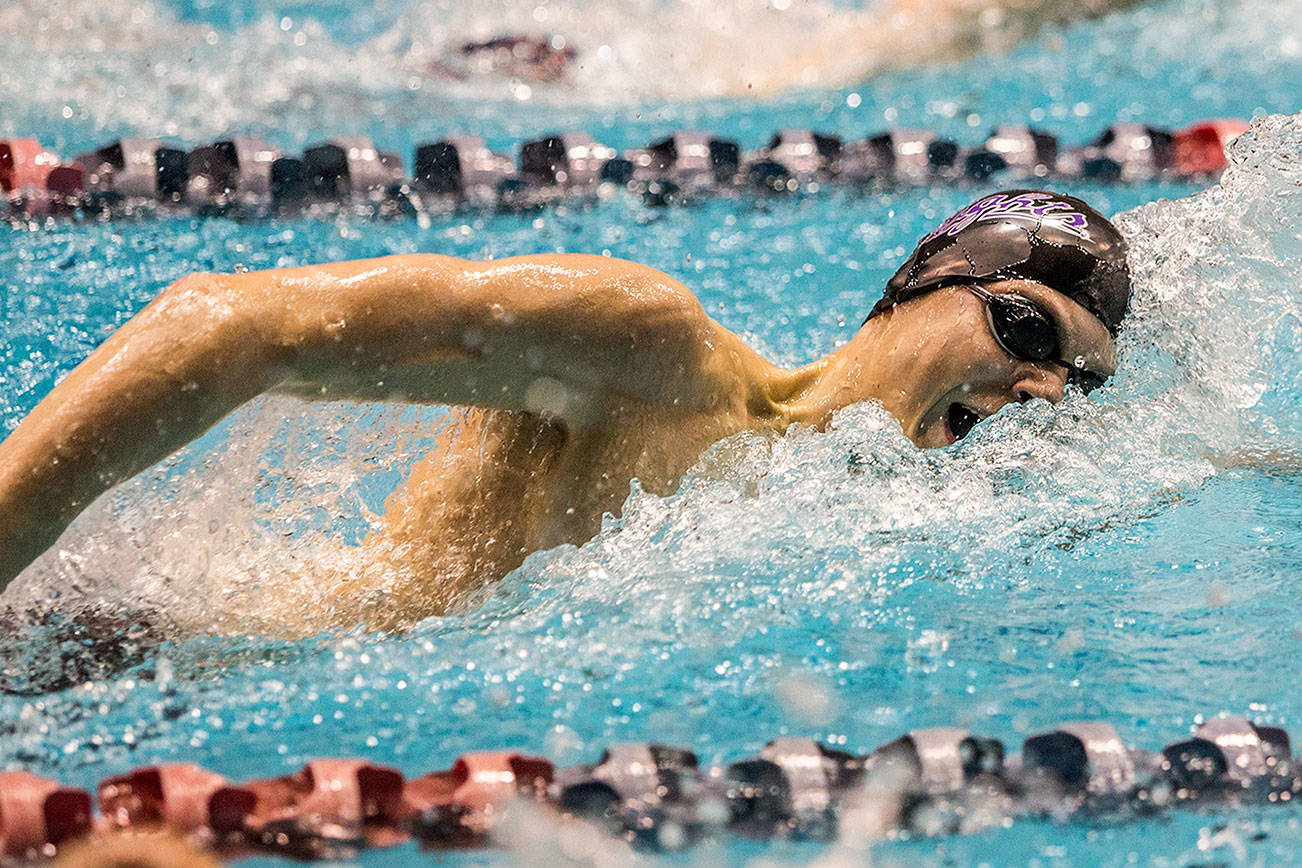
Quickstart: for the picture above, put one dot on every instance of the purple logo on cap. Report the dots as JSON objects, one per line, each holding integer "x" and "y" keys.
{"x": 1041, "y": 209}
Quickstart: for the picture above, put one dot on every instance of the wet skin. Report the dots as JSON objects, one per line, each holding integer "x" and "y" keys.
{"x": 579, "y": 374}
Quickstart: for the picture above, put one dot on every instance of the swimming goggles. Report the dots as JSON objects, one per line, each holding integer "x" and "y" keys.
{"x": 1024, "y": 331}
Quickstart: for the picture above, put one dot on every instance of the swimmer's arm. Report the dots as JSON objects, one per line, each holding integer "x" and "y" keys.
{"x": 854, "y": 46}
{"x": 572, "y": 337}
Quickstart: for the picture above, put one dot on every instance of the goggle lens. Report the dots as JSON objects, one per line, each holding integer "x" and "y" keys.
{"x": 1026, "y": 332}
{"x": 1022, "y": 330}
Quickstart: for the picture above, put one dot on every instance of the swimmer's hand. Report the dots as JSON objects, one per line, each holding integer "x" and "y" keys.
{"x": 161, "y": 380}
{"x": 576, "y": 339}
{"x": 1275, "y": 459}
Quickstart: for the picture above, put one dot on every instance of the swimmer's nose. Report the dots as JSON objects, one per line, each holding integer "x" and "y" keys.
{"x": 1040, "y": 381}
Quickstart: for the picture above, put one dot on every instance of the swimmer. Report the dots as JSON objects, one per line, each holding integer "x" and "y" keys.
{"x": 578, "y": 374}
{"x": 527, "y": 58}
{"x": 747, "y": 49}
{"x": 134, "y": 850}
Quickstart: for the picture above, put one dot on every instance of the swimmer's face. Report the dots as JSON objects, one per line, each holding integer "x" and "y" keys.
{"x": 939, "y": 369}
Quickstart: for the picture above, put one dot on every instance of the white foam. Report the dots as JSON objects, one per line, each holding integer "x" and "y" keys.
{"x": 1209, "y": 377}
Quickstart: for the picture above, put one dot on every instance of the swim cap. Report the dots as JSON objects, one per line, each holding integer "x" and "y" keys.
{"x": 1050, "y": 238}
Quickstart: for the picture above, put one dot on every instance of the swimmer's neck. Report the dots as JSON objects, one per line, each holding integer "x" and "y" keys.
{"x": 811, "y": 394}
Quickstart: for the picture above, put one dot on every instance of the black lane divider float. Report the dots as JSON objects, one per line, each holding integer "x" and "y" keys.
{"x": 245, "y": 177}
{"x": 929, "y": 782}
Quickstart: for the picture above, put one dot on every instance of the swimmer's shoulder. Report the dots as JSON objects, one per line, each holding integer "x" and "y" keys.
{"x": 655, "y": 324}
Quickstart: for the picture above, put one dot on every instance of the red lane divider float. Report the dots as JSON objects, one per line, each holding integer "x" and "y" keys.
{"x": 246, "y": 177}
{"x": 928, "y": 782}
{"x": 24, "y": 165}
{"x": 37, "y": 815}
{"x": 1200, "y": 148}
{"x": 183, "y": 797}
{"x": 34, "y": 180}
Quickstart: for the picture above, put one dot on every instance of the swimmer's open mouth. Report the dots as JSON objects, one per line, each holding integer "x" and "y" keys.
{"x": 961, "y": 419}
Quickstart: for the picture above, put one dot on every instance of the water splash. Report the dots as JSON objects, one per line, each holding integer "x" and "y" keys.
{"x": 806, "y": 522}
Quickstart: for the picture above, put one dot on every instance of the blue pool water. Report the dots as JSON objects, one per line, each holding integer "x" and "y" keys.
{"x": 1084, "y": 561}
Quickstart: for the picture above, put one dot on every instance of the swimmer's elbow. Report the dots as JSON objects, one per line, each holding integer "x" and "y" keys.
{"x": 195, "y": 281}
{"x": 208, "y": 328}
{"x": 197, "y": 296}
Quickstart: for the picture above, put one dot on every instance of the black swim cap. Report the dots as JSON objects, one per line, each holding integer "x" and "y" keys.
{"x": 1050, "y": 238}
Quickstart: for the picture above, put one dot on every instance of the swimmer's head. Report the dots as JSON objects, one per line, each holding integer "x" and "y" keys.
{"x": 1016, "y": 297}
{"x": 1049, "y": 238}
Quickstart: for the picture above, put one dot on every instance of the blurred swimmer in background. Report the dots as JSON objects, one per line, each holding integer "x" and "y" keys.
{"x": 581, "y": 373}
{"x": 746, "y": 49}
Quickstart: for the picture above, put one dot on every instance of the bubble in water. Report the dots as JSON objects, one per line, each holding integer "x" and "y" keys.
{"x": 927, "y": 652}
{"x": 807, "y": 698}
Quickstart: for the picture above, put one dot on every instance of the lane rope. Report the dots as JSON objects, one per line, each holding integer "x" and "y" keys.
{"x": 247, "y": 178}
{"x": 929, "y": 782}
